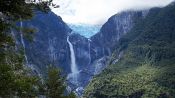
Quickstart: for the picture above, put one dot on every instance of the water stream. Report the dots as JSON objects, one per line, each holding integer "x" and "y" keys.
{"x": 74, "y": 70}
{"x": 23, "y": 44}
{"x": 89, "y": 47}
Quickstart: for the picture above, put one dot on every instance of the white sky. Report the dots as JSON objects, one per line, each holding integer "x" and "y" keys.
{"x": 98, "y": 11}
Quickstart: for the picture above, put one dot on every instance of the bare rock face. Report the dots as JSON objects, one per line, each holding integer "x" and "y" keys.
{"x": 49, "y": 43}
{"x": 104, "y": 42}
{"x": 117, "y": 26}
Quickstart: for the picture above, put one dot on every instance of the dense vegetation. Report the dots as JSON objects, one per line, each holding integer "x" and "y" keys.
{"x": 146, "y": 69}
{"x": 16, "y": 79}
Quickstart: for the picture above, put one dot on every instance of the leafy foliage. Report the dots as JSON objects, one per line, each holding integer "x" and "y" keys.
{"x": 55, "y": 86}
{"x": 55, "y": 83}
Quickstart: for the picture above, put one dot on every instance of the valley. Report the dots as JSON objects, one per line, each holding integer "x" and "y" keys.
{"x": 131, "y": 55}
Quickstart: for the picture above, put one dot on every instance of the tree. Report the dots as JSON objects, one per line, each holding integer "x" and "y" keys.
{"x": 56, "y": 84}
{"x": 15, "y": 80}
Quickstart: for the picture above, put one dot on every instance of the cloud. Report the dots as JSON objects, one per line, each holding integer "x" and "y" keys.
{"x": 98, "y": 11}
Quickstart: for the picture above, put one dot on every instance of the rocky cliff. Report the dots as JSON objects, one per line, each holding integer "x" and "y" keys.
{"x": 50, "y": 45}
{"x": 104, "y": 42}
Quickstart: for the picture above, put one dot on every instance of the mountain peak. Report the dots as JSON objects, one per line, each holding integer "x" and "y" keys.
{"x": 172, "y": 3}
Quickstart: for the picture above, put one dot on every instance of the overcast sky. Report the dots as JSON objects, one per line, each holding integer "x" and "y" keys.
{"x": 98, "y": 11}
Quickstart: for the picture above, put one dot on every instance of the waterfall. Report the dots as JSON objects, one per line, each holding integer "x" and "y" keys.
{"x": 22, "y": 41}
{"x": 24, "y": 46}
{"x": 74, "y": 70}
{"x": 89, "y": 47}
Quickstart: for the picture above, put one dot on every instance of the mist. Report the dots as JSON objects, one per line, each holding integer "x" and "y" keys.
{"x": 98, "y": 11}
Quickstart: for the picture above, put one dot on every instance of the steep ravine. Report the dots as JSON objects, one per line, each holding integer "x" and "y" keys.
{"x": 79, "y": 57}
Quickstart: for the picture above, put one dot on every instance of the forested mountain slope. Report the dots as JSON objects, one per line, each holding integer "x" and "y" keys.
{"x": 146, "y": 68}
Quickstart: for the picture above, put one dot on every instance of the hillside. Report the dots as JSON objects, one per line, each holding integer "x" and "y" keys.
{"x": 146, "y": 68}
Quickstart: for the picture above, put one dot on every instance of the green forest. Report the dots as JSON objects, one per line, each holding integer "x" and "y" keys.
{"x": 146, "y": 69}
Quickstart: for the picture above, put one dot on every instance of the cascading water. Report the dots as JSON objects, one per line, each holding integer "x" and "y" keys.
{"x": 89, "y": 47}
{"x": 23, "y": 44}
{"x": 25, "y": 56}
{"x": 74, "y": 70}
